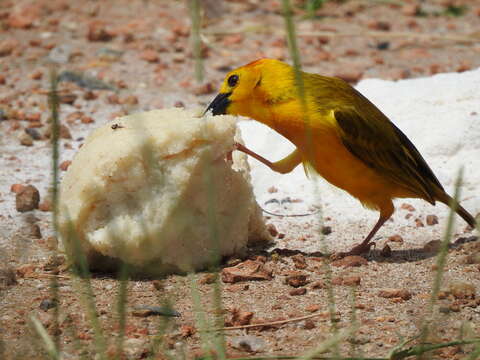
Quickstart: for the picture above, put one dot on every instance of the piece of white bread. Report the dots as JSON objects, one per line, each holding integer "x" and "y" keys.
{"x": 155, "y": 190}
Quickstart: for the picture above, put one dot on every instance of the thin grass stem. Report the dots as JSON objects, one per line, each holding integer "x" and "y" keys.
{"x": 195, "y": 18}
{"x": 48, "y": 343}
{"x": 54, "y": 104}
{"x": 428, "y": 321}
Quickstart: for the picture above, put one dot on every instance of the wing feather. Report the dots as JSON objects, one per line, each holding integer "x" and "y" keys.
{"x": 373, "y": 138}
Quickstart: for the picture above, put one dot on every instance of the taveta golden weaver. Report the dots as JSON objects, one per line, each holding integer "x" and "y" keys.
{"x": 338, "y": 132}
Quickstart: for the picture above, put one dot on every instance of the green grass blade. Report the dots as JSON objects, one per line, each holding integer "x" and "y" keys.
{"x": 195, "y": 17}
{"x": 48, "y": 343}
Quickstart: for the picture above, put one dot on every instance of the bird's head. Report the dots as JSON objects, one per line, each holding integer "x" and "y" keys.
{"x": 244, "y": 86}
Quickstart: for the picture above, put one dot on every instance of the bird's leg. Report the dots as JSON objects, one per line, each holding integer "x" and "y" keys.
{"x": 366, "y": 244}
{"x": 283, "y": 166}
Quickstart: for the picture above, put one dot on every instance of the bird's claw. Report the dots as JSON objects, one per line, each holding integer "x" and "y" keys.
{"x": 356, "y": 250}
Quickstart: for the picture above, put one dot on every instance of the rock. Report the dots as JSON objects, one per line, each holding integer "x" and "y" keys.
{"x": 419, "y": 223}
{"x": 432, "y": 246}
{"x": 396, "y": 238}
{"x": 33, "y": 117}
{"x": 296, "y": 279}
{"x": 107, "y": 54}
{"x": 208, "y": 279}
{"x": 16, "y": 188}
{"x": 382, "y": 45}
{"x": 36, "y": 75}
{"x": 338, "y": 280}
{"x": 352, "y": 280}
{"x": 395, "y": 293}
{"x": 67, "y": 98}
{"x": 240, "y": 317}
{"x": 308, "y": 324}
{"x": 47, "y": 304}
{"x": 45, "y": 205}
{"x": 86, "y": 120}
{"x": 85, "y": 81}
{"x": 26, "y": 271}
{"x": 299, "y": 291}
{"x": 64, "y": 132}
{"x": 411, "y": 9}
{"x": 35, "y": 231}
{"x": 326, "y": 230}
{"x": 205, "y": 89}
{"x": 472, "y": 259}
{"x": 187, "y": 331}
{"x": 272, "y": 230}
{"x": 7, "y": 46}
{"x": 313, "y": 308}
{"x": 386, "y": 251}
{"x": 24, "y": 17}
{"x": 432, "y": 220}
{"x": 64, "y": 165}
{"x": 149, "y": 55}
{"x": 299, "y": 261}
{"x": 97, "y": 32}
{"x": 129, "y": 100}
{"x": 25, "y": 139}
{"x": 246, "y": 271}
{"x": 379, "y": 25}
{"x": 350, "y": 75}
{"x": 462, "y": 290}
{"x": 407, "y": 207}
{"x": 320, "y": 284}
{"x": 7, "y": 277}
{"x": 350, "y": 261}
{"x": 60, "y": 54}
{"x": 144, "y": 311}
{"x": 34, "y": 133}
{"x": 347, "y": 280}
{"x": 54, "y": 262}
{"x": 135, "y": 348}
{"x": 248, "y": 343}
{"x": 27, "y": 199}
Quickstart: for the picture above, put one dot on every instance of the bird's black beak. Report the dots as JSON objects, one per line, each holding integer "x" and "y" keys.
{"x": 219, "y": 104}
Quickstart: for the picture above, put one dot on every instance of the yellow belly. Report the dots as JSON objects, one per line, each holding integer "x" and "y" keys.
{"x": 329, "y": 157}
{"x": 336, "y": 164}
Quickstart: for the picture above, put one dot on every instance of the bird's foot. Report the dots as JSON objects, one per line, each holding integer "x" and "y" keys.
{"x": 359, "y": 249}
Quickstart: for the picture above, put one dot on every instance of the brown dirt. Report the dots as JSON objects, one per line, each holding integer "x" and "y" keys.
{"x": 142, "y": 48}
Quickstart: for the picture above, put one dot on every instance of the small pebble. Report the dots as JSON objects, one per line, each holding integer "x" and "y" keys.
{"x": 27, "y": 199}
{"x": 64, "y": 165}
{"x": 386, "y": 251}
{"x": 309, "y": 324}
{"x": 47, "y": 304}
{"x": 34, "y": 133}
{"x": 326, "y": 230}
{"x": 396, "y": 238}
{"x": 462, "y": 290}
{"x": 395, "y": 293}
{"x": 26, "y": 139}
{"x": 299, "y": 291}
{"x": 432, "y": 220}
{"x": 296, "y": 279}
{"x": 248, "y": 343}
{"x": 272, "y": 230}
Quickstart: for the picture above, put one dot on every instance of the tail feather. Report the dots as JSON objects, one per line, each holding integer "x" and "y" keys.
{"x": 451, "y": 202}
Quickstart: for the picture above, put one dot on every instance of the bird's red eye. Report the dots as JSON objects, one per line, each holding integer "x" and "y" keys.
{"x": 232, "y": 80}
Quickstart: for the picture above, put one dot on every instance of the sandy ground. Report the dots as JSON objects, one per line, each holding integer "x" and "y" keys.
{"x": 142, "y": 49}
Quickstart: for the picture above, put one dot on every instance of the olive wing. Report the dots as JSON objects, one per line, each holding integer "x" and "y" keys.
{"x": 375, "y": 140}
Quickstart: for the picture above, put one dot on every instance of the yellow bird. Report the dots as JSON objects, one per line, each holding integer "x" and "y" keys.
{"x": 338, "y": 132}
